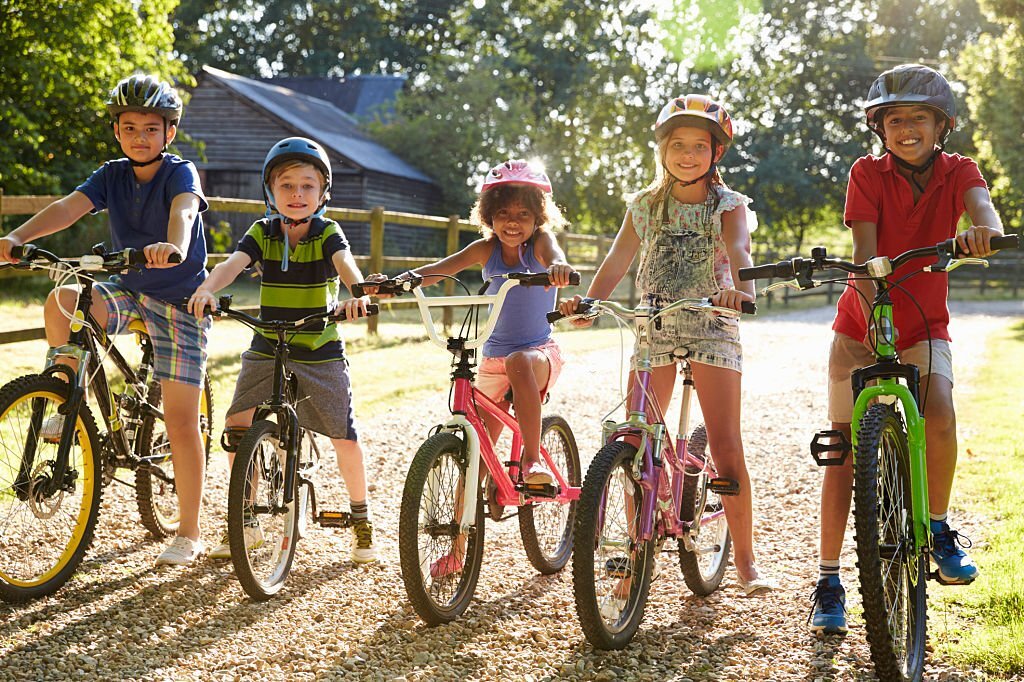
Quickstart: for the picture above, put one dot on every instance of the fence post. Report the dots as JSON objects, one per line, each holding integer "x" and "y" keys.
{"x": 1, "y": 210}
{"x": 449, "y": 284}
{"x": 376, "y": 254}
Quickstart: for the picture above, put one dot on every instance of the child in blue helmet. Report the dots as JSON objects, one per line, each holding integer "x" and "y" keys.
{"x": 154, "y": 201}
{"x": 297, "y": 247}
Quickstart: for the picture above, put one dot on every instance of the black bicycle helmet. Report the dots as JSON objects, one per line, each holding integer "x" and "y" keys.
{"x": 148, "y": 94}
{"x": 296, "y": 149}
{"x": 910, "y": 84}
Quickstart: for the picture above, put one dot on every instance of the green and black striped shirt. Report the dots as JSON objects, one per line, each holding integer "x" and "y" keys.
{"x": 309, "y": 286}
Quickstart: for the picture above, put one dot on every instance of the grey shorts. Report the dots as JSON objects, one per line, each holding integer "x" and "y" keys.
{"x": 325, "y": 393}
{"x": 699, "y": 337}
{"x": 846, "y": 355}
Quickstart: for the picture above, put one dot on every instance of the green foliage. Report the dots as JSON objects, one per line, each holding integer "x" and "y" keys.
{"x": 59, "y": 61}
{"x": 703, "y": 33}
{"x": 994, "y": 69}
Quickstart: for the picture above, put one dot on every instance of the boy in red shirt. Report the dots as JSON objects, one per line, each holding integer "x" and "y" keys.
{"x": 911, "y": 196}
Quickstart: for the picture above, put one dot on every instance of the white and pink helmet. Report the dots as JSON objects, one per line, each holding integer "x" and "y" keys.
{"x": 517, "y": 172}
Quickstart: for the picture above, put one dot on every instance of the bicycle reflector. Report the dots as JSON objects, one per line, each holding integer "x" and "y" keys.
{"x": 838, "y": 442}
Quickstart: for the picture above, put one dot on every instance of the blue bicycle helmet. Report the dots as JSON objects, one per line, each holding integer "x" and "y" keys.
{"x": 296, "y": 149}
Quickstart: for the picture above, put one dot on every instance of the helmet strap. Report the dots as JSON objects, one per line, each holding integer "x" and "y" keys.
{"x": 915, "y": 170}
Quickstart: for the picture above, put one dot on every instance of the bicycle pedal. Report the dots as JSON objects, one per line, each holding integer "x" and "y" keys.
{"x": 334, "y": 519}
{"x": 724, "y": 486}
{"x": 618, "y": 567}
{"x": 538, "y": 490}
{"x": 934, "y": 575}
{"x": 820, "y": 451}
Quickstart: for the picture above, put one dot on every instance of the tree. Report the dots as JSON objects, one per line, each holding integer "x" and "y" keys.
{"x": 59, "y": 61}
{"x": 994, "y": 70}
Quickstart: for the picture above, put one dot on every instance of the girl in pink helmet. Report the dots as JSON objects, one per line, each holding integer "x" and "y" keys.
{"x": 517, "y": 217}
{"x": 691, "y": 232}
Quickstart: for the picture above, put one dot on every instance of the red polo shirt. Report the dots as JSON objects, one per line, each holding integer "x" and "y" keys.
{"x": 878, "y": 194}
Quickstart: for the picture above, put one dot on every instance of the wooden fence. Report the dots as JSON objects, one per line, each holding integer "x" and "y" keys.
{"x": 584, "y": 251}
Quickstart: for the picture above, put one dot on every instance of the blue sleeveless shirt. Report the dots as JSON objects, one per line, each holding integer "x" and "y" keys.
{"x": 522, "y": 323}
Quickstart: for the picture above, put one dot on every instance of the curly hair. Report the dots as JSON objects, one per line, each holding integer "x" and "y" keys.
{"x": 541, "y": 204}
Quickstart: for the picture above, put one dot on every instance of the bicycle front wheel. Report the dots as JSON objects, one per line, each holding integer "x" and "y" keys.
{"x": 892, "y": 573}
{"x": 262, "y": 529}
{"x": 611, "y": 570}
{"x": 155, "y": 490}
{"x": 440, "y": 559}
{"x": 546, "y": 527}
{"x": 704, "y": 551}
{"x": 44, "y": 532}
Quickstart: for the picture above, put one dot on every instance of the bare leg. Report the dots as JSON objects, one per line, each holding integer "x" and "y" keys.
{"x": 58, "y": 327}
{"x": 181, "y": 417}
{"x": 940, "y": 435}
{"x": 350, "y": 464}
{"x": 836, "y": 494}
{"x": 528, "y": 372}
{"x": 718, "y": 390}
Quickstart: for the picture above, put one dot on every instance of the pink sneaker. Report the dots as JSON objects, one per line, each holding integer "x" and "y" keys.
{"x": 447, "y": 565}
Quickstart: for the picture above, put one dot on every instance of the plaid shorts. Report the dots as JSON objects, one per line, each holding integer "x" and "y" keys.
{"x": 179, "y": 339}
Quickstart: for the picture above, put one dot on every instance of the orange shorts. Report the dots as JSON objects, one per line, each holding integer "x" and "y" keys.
{"x": 493, "y": 382}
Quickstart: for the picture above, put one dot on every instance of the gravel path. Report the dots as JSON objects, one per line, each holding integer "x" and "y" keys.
{"x": 122, "y": 618}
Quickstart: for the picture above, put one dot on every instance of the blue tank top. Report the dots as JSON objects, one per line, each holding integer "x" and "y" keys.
{"x": 522, "y": 323}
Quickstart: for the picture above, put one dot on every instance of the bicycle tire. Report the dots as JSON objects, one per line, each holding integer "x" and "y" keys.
{"x": 439, "y": 589}
{"x": 547, "y": 527}
{"x": 892, "y": 576}
{"x": 44, "y": 538}
{"x": 704, "y": 554}
{"x": 157, "y": 498}
{"x": 600, "y": 559}
{"x": 256, "y": 500}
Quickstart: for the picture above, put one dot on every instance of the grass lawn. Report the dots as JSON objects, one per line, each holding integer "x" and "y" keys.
{"x": 982, "y": 625}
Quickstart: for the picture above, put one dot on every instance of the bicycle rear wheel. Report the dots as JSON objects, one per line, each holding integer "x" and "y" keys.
{"x": 262, "y": 529}
{"x": 892, "y": 574}
{"x": 440, "y": 560}
{"x": 546, "y": 527}
{"x": 704, "y": 552}
{"x": 43, "y": 535}
{"x": 155, "y": 491}
{"x": 611, "y": 571}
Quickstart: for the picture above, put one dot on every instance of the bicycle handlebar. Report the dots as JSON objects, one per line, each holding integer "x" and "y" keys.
{"x": 224, "y": 309}
{"x": 397, "y": 287}
{"x": 100, "y": 259}
{"x": 596, "y": 307}
{"x": 803, "y": 267}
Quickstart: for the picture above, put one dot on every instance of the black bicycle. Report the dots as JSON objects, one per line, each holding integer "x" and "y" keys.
{"x": 272, "y": 483}
{"x": 55, "y": 461}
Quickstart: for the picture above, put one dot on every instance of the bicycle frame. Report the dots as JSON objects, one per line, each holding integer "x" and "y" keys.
{"x": 663, "y": 486}
{"x": 887, "y": 373}
{"x": 468, "y": 399}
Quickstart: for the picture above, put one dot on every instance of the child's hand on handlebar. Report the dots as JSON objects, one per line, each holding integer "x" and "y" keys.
{"x": 353, "y": 307}
{"x": 158, "y": 255}
{"x": 370, "y": 290}
{"x": 568, "y": 306}
{"x": 731, "y": 298}
{"x": 6, "y": 244}
{"x": 559, "y": 274}
{"x": 200, "y": 302}
{"x": 977, "y": 240}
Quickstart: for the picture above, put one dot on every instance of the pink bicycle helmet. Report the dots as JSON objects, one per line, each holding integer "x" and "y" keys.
{"x": 516, "y": 171}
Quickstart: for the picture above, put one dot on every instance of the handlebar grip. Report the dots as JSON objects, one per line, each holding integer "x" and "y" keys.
{"x": 574, "y": 279}
{"x": 748, "y": 307}
{"x": 371, "y": 310}
{"x": 23, "y": 252}
{"x": 1008, "y": 241}
{"x": 554, "y": 316}
{"x": 138, "y": 257}
{"x": 759, "y": 272}
{"x": 541, "y": 279}
{"x": 357, "y": 289}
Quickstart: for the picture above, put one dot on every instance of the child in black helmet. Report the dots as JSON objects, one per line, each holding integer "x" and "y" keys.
{"x": 298, "y": 250}
{"x": 911, "y": 196}
{"x": 154, "y": 201}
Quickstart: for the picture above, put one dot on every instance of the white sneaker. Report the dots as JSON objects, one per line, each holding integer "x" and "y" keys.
{"x": 50, "y": 429}
{"x": 181, "y": 552}
{"x": 253, "y": 540}
{"x": 363, "y": 551}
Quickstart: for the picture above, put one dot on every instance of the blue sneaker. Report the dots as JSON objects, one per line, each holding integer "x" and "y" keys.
{"x": 829, "y": 610}
{"x": 954, "y": 566}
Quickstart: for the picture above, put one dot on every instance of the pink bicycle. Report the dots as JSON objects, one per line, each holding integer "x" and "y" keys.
{"x": 640, "y": 490}
{"x": 441, "y": 524}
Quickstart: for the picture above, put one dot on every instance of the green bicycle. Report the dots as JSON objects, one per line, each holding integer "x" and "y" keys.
{"x": 893, "y": 533}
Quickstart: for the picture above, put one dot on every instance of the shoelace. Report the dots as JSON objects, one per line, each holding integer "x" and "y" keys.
{"x": 364, "y": 535}
{"x": 827, "y": 597}
{"x": 946, "y": 542}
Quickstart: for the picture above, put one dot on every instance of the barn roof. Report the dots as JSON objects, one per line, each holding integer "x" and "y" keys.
{"x": 321, "y": 121}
